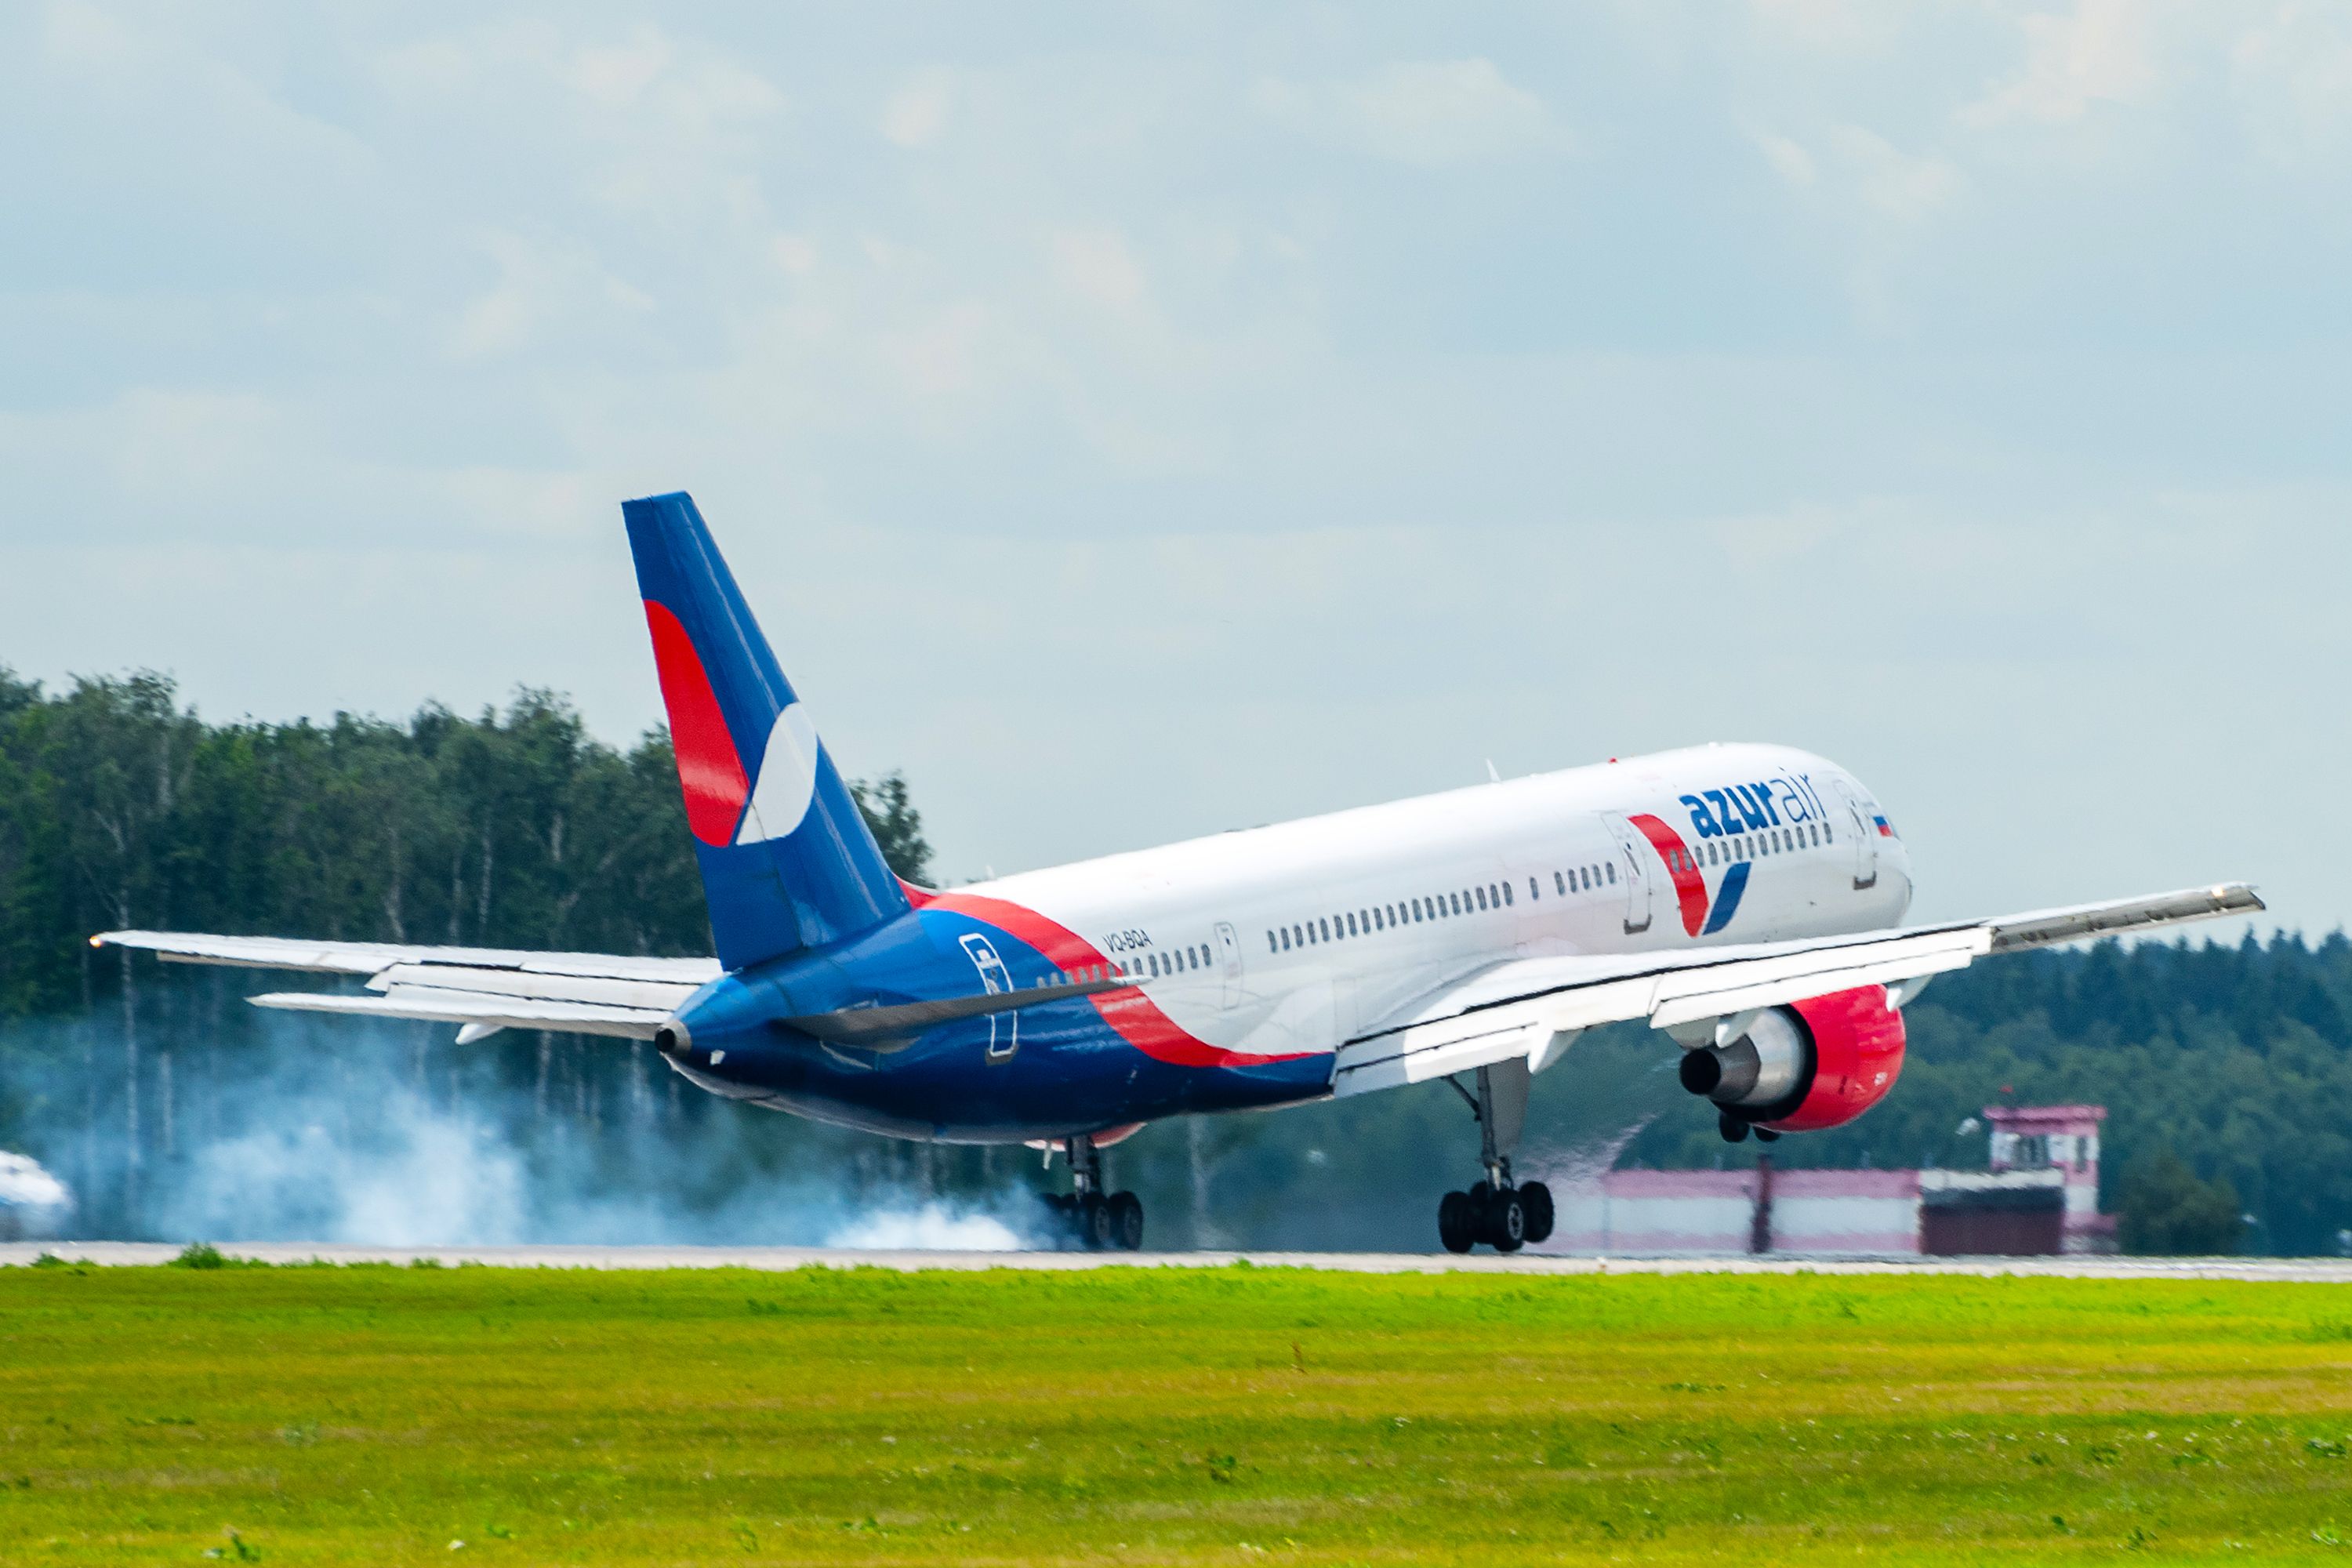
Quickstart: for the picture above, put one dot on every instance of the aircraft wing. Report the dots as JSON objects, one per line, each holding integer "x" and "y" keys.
{"x": 1518, "y": 1008}
{"x": 483, "y": 989}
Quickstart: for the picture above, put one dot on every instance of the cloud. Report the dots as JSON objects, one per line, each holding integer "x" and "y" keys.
{"x": 1429, "y": 113}
{"x": 1098, "y": 264}
{"x": 914, "y": 115}
{"x": 2101, "y": 53}
{"x": 542, "y": 285}
{"x": 1858, "y": 165}
{"x": 1788, "y": 157}
{"x": 2291, "y": 76}
{"x": 1896, "y": 185}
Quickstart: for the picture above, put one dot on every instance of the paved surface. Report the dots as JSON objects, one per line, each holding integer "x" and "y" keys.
{"x": 2329, "y": 1270}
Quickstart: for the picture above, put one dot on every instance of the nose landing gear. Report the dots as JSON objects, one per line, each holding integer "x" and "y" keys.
{"x": 1505, "y": 1214}
{"x": 1096, "y": 1220}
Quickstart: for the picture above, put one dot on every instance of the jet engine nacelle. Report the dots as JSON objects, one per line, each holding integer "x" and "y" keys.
{"x": 1813, "y": 1064}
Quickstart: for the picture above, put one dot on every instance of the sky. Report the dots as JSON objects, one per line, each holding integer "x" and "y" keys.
{"x": 1134, "y": 422}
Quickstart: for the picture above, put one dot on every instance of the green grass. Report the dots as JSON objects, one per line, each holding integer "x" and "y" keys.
{"x": 375, "y": 1414}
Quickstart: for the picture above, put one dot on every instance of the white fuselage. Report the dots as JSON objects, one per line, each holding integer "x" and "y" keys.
{"x": 1294, "y": 937}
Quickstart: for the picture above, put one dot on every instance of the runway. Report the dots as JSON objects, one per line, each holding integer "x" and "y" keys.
{"x": 136, "y": 1254}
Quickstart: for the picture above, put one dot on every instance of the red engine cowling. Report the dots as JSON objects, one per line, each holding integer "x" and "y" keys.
{"x": 1817, "y": 1063}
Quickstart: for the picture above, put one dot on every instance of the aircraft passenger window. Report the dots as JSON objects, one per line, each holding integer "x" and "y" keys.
{"x": 1326, "y": 932}
{"x": 1478, "y": 896}
{"x": 1829, "y": 834}
{"x": 1350, "y": 920}
{"x": 1457, "y": 901}
{"x": 1508, "y": 900}
{"x": 1612, "y": 874}
{"x": 1155, "y": 965}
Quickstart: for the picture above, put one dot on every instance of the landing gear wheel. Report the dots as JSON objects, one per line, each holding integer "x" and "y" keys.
{"x": 1766, "y": 1135}
{"x": 1734, "y": 1129}
{"x": 1506, "y": 1221}
{"x": 1094, "y": 1222}
{"x": 1123, "y": 1217}
{"x": 1457, "y": 1229}
{"x": 1536, "y": 1198}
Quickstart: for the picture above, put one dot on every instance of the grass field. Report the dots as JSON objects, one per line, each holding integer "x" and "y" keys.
{"x": 379, "y": 1414}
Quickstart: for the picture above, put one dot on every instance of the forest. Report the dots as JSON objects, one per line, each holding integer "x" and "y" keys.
{"x": 174, "y": 1110}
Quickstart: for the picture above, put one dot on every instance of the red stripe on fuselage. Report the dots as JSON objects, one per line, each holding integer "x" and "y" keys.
{"x": 1135, "y": 1016}
{"x": 1690, "y": 887}
{"x": 709, "y": 771}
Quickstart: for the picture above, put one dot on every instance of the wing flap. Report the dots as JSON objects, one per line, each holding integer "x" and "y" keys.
{"x": 2043, "y": 927}
{"x": 432, "y": 1005}
{"x": 662, "y": 997}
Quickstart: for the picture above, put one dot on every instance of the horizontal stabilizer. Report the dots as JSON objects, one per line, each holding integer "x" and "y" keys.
{"x": 436, "y": 1005}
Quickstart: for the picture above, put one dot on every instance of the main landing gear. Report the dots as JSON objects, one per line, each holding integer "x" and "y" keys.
{"x": 1096, "y": 1220}
{"x": 1503, "y": 1215}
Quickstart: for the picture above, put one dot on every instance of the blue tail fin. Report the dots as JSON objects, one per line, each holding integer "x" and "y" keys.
{"x": 787, "y": 861}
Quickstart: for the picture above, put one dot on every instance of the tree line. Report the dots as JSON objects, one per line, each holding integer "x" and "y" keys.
{"x": 2225, "y": 1066}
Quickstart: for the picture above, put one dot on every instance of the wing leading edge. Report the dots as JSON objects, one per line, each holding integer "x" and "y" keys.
{"x": 1528, "y": 1008}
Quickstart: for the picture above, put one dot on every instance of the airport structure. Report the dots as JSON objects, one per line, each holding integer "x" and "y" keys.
{"x": 2038, "y": 1195}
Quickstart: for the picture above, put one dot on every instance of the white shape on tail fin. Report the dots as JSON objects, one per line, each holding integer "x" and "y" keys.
{"x": 787, "y": 781}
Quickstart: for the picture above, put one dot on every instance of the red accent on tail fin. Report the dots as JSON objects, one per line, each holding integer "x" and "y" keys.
{"x": 709, "y": 771}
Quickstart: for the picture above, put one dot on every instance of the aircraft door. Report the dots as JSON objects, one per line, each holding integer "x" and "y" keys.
{"x": 1229, "y": 960}
{"x": 1003, "y": 1028}
{"x": 1632, "y": 853}
{"x": 1865, "y": 838}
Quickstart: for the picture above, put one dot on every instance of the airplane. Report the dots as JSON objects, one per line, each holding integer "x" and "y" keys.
{"x": 1746, "y": 900}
